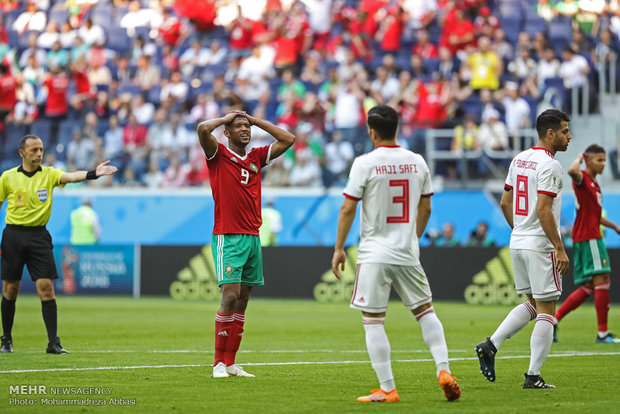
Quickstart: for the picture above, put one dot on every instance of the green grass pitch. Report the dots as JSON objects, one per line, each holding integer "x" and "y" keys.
{"x": 307, "y": 357}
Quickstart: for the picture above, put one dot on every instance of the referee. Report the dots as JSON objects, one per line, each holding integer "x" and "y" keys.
{"x": 25, "y": 241}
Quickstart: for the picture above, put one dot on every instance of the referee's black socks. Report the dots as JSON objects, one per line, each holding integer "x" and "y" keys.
{"x": 48, "y": 307}
{"x": 8, "y": 315}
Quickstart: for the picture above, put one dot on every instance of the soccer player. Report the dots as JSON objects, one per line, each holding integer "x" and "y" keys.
{"x": 236, "y": 184}
{"x": 531, "y": 205}
{"x": 590, "y": 255}
{"x": 28, "y": 190}
{"x": 394, "y": 186}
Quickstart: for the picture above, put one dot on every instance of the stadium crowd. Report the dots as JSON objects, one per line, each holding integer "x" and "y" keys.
{"x": 130, "y": 80}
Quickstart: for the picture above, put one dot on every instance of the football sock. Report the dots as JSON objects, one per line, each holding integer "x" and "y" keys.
{"x": 540, "y": 343}
{"x": 223, "y": 326}
{"x": 50, "y": 317}
{"x": 236, "y": 333}
{"x": 432, "y": 332}
{"x": 378, "y": 347}
{"x": 518, "y": 317}
{"x": 8, "y": 315}
{"x": 573, "y": 301}
{"x": 601, "y": 304}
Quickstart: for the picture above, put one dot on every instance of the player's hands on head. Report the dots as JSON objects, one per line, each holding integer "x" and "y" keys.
{"x": 338, "y": 260}
{"x": 105, "y": 169}
{"x": 235, "y": 113}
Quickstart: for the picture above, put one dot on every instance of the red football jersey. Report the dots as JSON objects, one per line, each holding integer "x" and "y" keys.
{"x": 236, "y": 186}
{"x": 589, "y": 201}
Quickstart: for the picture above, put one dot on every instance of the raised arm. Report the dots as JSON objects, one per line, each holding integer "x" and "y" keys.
{"x": 284, "y": 138}
{"x": 549, "y": 226}
{"x": 78, "y": 176}
{"x": 574, "y": 171}
{"x": 205, "y": 129}
{"x": 605, "y": 222}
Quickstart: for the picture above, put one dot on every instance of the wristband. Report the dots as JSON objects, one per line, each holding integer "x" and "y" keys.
{"x": 91, "y": 175}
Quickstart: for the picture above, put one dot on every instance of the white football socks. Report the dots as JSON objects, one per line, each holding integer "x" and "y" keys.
{"x": 540, "y": 343}
{"x": 518, "y": 317}
{"x": 432, "y": 332}
{"x": 378, "y": 347}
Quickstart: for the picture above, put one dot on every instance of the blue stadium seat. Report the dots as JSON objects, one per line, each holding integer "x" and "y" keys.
{"x": 560, "y": 29}
{"x": 129, "y": 88}
{"x": 537, "y": 25}
{"x": 14, "y": 134}
{"x": 510, "y": 8}
{"x": 42, "y": 129}
{"x": 155, "y": 95}
{"x": 58, "y": 13}
{"x": 431, "y": 65}
{"x": 472, "y": 105}
{"x": 118, "y": 40}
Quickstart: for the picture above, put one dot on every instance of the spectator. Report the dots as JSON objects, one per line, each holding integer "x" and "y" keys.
{"x": 215, "y": 54}
{"x": 139, "y": 17}
{"x": 30, "y": 19}
{"x": 574, "y": 71}
{"x": 113, "y": 141}
{"x": 523, "y": 65}
{"x": 272, "y": 224}
{"x": 80, "y": 152}
{"x": 587, "y": 18}
{"x": 142, "y": 109}
{"x": 291, "y": 86}
{"x": 479, "y": 236}
{"x": 32, "y": 50}
{"x": 458, "y": 32}
{"x": 91, "y": 33}
{"x": 175, "y": 176}
{"x": 320, "y": 20}
{"x": 8, "y": 93}
{"x": 130, "y": 178}
{"x": 253, "y": 76}
{"x": 518, "y": 112}
{"x": 153, "y": 178}
{"x": 546, "y": 10}
{"x": 158, "y": 137}
{"x": 172, "y": 31}
{"x": 193, "y": 58}
{"x": 240, "y": 35}
{"x": 57, "y": 56}
{"x": 25, "y": 111}
{"x": 421, "y": 13}
{"x": 134, "y": 138}
{"x": 147, "y": 75}
{"x": 501, "y": 46}
{"x": 141, "y": 47}
{"x": 385, "y": 86}
{"x": 277, "y": 175}
{"x": 568, "y": 8}
{"x": 347, "y": 114}
{"x": 174, "y": 88}
{"x": 79, "y": 49}
{"x": 548, "y": 67}
{"x": 306, "y": 171}
{"x": 67, "y": 35}
{"x": 56, "y": 104}
{"x": 424, "y": 47}
{"x": 49, "y": 36}
{"x": 604, "y": 54}
{"x": 391, "y": 29}
{"x": 338, "y": 156}
{"x": 485, "y": 23}
{"x": 492, "y": 133}
{"x": 205, "y": 108}
{"x": 485, "y": 65}
{"x": 580, "y": 43}
{"x": 447, "y": 238}
{"x": 448, "y": 66}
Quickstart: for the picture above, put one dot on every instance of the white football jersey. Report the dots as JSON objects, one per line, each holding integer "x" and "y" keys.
{"x": 389, "y": 181}
{"x": 532, "y": 172}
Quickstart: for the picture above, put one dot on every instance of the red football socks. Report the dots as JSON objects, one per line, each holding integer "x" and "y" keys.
{"x": 601, "y": 304}
{"x": 223, "y": 331}
{"x": 236, "y": 333}
{"x": 574, "y": 301}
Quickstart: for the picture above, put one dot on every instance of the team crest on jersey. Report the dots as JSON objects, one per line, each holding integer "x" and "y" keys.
{"x": 20, "y": 199}
{"x": 228, "y": 270}
{"x": 42, "y": 194}
{"x": 253, "y": 167}
{"x": 604, "y": 262}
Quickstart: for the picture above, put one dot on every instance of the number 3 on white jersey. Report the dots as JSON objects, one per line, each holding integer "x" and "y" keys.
{"x": 245, "y": 176}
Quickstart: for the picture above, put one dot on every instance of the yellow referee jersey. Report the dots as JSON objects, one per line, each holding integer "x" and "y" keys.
{"x": 28, "y": 195}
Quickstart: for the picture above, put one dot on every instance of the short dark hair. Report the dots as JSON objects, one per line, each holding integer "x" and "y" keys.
{"x": 551, "y": 118}
{"x": 22, "y": 142}
{"x": 227, "y": 126}
{"x": 384, "y": 120}
{"x": 595, "y": 149}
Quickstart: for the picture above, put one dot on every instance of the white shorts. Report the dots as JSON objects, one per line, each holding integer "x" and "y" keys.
{"x": 536, "y": 273}
{"x": 373, "y": 283}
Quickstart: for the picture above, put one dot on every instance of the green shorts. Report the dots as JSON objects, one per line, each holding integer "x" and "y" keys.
{"x": 591, "y": 259}
{"x": 238, "y": 259}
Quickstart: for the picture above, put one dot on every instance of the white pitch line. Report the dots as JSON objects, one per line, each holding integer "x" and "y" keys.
{"x": 203, "y": 351}
{"x": 18, "y": 371}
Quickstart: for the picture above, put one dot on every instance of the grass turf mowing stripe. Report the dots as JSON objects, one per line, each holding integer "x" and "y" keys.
{"x": 16, "y": 371}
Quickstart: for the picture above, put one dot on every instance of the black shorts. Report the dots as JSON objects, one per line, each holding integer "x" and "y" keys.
{"x": 30, "y": 246}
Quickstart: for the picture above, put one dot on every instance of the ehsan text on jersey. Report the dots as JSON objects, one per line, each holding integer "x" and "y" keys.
{"x": 528, "y": 165}
{"x": 396, "y": 169}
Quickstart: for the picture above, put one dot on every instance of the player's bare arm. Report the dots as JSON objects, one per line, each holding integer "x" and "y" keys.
{"x": 506, "y": 206}
{"x": 605, "y": 222}
{"x": 284, "y": 138}
{"x": 205, "y": 132}
{"x": 574, "y": 170}
{"x": 78, "y": 176}
{"x": 345, "y": 221}
{"x": 424, "y": 213}
{"x": 548, "y": 224}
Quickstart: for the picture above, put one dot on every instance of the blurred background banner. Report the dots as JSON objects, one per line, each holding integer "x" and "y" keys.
{"x": 92, "y": 270}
